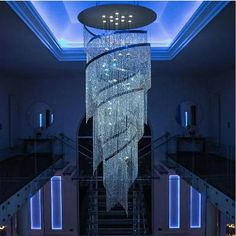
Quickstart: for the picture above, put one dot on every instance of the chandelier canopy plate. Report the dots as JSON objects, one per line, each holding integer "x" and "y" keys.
{"x": 117, "y": 16}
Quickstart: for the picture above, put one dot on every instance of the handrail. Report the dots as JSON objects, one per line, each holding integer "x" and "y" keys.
{"x": 85, "y": 148}
{"x": 67, "y": 137}
{"x": 166, "y": 135}
{"x": 62, "y": 140}
{"x": 223, "y": 149}
{"x": 143, "y": 148}
{"x": 74, "y": 148}
{"x": 70, "y": 139}
{"x": 154, "y": 148}
{"x": 157, "y": 139}
{"x": 143, "y": 212}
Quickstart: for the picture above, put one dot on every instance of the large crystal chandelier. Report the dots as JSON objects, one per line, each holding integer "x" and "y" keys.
{"x": 118, "y": 76}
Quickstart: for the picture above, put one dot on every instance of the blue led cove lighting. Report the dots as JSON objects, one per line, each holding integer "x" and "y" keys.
{"x": 56, "y": 203}
{"x": 35, "y": 211}
{"x": 195, "y": 208}
{"x": 55, "y": 24}
{"x": 174, "y": 202}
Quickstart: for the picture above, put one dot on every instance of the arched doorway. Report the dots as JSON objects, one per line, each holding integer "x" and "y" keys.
{"x": 88, "y": 194}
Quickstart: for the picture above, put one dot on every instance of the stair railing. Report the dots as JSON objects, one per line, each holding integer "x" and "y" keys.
{"x": 143, "y": 209}
{"x": 136, "y": 205}
{"x": 93, "y": 209}
{"x": 72, "y": 145}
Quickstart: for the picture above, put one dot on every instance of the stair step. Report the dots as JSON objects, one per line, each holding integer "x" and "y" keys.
{"x": 115, "y": 217}
{"x": 113, "y": 214}
{"x": 115, "y": 231}
{"x": 115, "y": 222}
{"x": 101, "y": 196}
{"x": 103, "y": 208}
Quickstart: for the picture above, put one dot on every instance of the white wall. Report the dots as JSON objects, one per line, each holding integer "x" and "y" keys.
{"x": 9, "y": 112}
{"x": 167, "y": 92}
{"x": 222, "y": 120}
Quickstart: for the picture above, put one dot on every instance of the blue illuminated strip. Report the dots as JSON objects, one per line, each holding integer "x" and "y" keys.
{"x": 40, "y": 120}
{"x": 186, "y": 118}
{"x": 56, "y": 203}
{"x": 35, "y": 211}
{"x": 52, "y": 118}
{"x": 195, "y": 208}
{"x": 174, "y": 202}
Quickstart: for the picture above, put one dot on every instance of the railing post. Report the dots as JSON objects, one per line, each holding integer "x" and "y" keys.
{"x": 134, "y": 212}
{"x": 167, "y": 146}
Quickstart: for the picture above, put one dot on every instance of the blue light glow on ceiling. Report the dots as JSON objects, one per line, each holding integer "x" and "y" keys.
{"x": 56, "y": 24}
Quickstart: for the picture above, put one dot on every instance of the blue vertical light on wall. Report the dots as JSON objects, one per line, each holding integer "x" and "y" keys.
{"x": 35, "y": 211}
{"x": 186, "y": 118}
{"x": 195, "y": 208}
{"x": 174, "y": 202}
{"x": 56, "y": 203}
{"x": 52, "y": 118}
{"x": 40, "y": 120}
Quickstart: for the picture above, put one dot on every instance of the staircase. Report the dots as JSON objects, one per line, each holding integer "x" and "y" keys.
{"x": 116, "y": 222}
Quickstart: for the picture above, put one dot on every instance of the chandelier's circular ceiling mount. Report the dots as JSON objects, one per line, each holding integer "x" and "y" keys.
{"x": 117, "y": 16}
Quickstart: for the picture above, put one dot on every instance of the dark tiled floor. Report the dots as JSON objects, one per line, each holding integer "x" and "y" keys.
{"x": 216, "y": 170}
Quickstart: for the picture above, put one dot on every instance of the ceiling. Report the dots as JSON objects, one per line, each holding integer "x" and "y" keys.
{"x": 56, "y": 24}
{"x": 24, "y": 56}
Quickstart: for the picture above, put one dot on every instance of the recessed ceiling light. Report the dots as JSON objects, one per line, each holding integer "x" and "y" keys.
{"x": 117, "y": 19}
{"x": 104, "y": 21}
{"x": 103, "y": 16}
{"x": 117, "y": 13}
{"x": 116, "y": 23}
{"x": 122, "y": 20}
{"x": 129, "y": 21}
{"x": 122, "y": 17}
{"x": 130, "y": 16}
{"x": 111, "y": 20}
{"x": 111, "y": 17}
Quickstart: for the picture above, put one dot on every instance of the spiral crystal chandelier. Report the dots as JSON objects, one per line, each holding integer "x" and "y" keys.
{"x": 118, "y": 77}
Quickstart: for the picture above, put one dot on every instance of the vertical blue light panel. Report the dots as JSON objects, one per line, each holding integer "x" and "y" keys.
{"x": 35, "y": 211}
{"x": 186, "y": 118}
{"x": 174, "y": 202}
{"x": 195, "y": 208}
{"x": 52, "y": 118}
{"x": 40, "y": 120}
{"x": 56, "y": 203}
